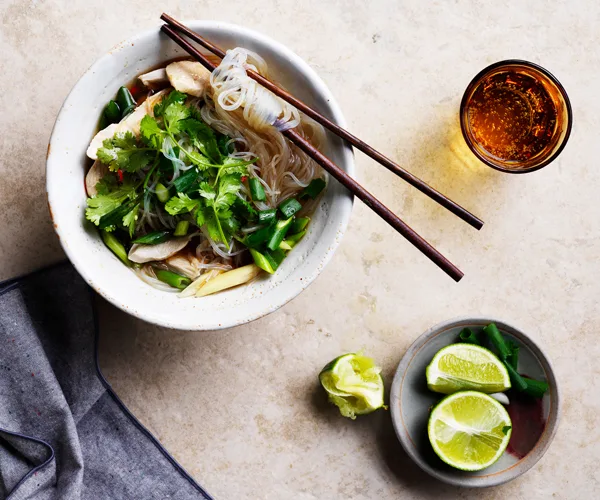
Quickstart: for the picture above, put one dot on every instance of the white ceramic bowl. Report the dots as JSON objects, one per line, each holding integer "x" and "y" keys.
{"x": 65, "y": 171}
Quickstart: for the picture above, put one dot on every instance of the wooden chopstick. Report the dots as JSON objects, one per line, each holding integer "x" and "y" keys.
{"x": 413, "y": 180}
{"x": 352, "y": 185}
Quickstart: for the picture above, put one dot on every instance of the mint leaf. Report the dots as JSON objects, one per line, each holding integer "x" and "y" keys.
{"x": 181, "y": 204}
{"x": 151, "y": 132}
{"x": 203, "y": 137}
{"x": 173, "y": 97}
{"x": 505, "y": 429}
{"x": 130, "y": 218}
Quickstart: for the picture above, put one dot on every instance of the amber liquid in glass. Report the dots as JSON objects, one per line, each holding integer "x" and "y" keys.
{"x": 513, "y": 116}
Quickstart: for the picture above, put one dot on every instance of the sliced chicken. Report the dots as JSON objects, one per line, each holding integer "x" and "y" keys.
{"x": 99, "y": 138}
{"x": 154, "y": 99}
{"x": 95, "y": 173}
{"x": 155, "y": 78}
{"x": 147, "y": 253}
{"x": 184, "y": 265}
{"x": 131, "y": 123}
{"x": 189, "y": 77}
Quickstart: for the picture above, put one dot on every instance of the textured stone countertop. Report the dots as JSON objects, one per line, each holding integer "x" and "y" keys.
{"x": 240, "y": 408}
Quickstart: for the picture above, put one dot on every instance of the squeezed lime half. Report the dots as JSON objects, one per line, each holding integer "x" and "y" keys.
{"x": 353, "y": 383}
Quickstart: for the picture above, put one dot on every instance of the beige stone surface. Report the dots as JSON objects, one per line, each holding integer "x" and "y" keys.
{"x": 241, "y": 409}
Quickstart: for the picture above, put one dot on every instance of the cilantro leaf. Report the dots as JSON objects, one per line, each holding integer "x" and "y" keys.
{"x": 107, "y": 184}
{"x": 244, "y": 209}
{"x": 198, "y": 159}
{"x": 208, "y": 192}
{"x": 236, "y": 166}
{"x": 130, "y": 218}
{"x": 151, "y": 132}
{"x": 122, "y": 152}
{"x": 181, "y": 204}
{"x": 173, "y": 115}
{"x": 203, "y": 137}
{"x": 201, "y": 214}
{"x": 229, "y": 186}
{"x": 222, "y": 141}
{"x": 229, "y": 223}
{"x": 214, "y": 227}
{"x": 173, "y": 97}
{"x": 102, "y": 204}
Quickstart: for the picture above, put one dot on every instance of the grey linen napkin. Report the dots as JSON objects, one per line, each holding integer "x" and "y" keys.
{"x": 64, "y": 434}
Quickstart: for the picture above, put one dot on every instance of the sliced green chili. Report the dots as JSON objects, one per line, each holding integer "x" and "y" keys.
{"x": 125, "y": 101}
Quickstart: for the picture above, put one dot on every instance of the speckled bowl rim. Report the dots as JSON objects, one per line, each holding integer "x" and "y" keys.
{"x": 304, "y": 271}
{"x": 454, "y": 477}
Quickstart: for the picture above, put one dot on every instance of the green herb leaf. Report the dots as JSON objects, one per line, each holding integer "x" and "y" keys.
{"x": 198, "y": 159}
{"x": 244, "y": 209}
{"x": 208, "y": 192}
{"x": 222, "y": 141}
{"x": 229, "y": 186}
{"x": 201, "y": 214}
{"x": 152, "y": 134}
{"x": 181, "y": 204}
{"x": 173, "y": 97}
{"x": 186, "y": 181}
{"x": 313, "y": 189}
{"x": 203, "y": 137}
{"x": 122, "y": 152}
{"x": 130, "y": 218}
{"x": 173, "y": 115}
{"x": 236, "y": 166}
{"x": 505, "y": 429}
{"x": 102, "y": 204}
{"x": 213, "y": 227}
{"x": 107, "y": 184}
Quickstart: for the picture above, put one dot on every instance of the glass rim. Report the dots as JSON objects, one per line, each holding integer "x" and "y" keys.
{"x": 553, "y": 80}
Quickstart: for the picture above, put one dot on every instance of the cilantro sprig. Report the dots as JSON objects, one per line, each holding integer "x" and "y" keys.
{"x": 204, "y": 184}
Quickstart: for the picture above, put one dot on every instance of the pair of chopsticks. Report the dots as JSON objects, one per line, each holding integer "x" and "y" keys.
{"x": 173, "y": 28}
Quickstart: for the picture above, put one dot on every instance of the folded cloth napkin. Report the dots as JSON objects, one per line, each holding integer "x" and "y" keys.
{"x": 64, "y": 434}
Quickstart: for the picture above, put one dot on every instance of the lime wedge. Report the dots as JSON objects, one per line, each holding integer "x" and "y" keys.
{"x": 460, "y": 367}
{"x": 469, "y": 430}
{"x": 353, "y": 383}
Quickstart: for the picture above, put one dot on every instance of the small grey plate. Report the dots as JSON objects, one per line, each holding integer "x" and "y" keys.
{"x": 534, "y": 425}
